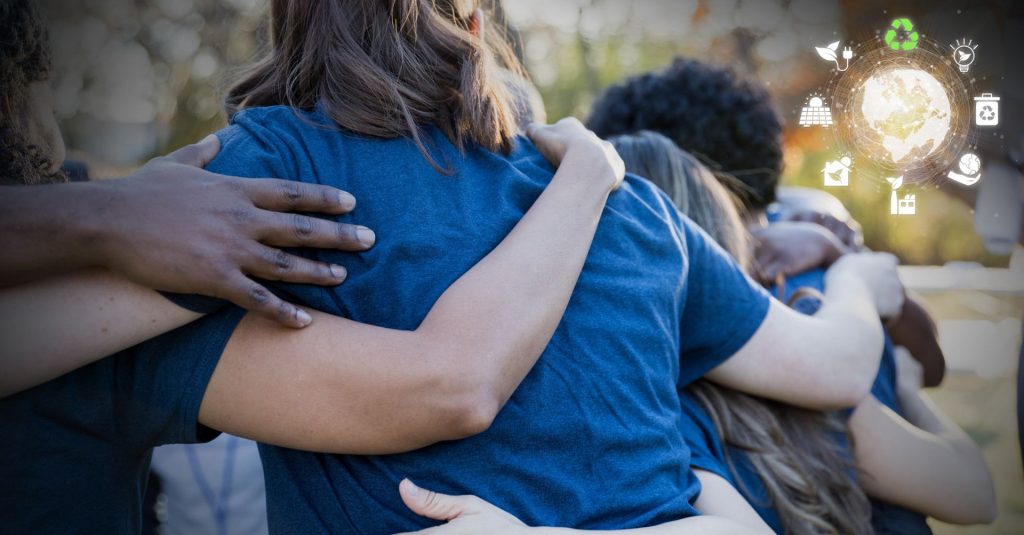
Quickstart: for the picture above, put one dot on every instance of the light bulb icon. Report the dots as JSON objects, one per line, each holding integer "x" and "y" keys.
{"x": 963, "y": 53}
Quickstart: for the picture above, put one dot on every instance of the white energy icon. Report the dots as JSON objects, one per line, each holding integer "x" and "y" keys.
{"x": 963, "y": 53}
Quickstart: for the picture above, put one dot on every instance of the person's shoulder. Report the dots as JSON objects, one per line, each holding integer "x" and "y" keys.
{"x": 263, "y": 124}
{"x": 269, "y": 141}
{"x": 641, "y": 195}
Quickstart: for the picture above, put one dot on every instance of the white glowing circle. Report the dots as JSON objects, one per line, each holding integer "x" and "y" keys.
{"x": 816, "y": 102}
{"x": 906, "y": 112}
{"x": 970, "y": 164}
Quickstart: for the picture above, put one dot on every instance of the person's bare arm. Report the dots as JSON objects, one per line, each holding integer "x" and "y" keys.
{"x": 915, "y": 330}
{"x": 925, "y": 462}
{"x": 347, "y": 387}
{"x": 828, "y": 360}
{"x": 53, "y": 326}
{"x": 469, "y": 515}
{"x": 174, "y": 227}
{"x": 720, "y": 498}
{"x": 353, "y": 388}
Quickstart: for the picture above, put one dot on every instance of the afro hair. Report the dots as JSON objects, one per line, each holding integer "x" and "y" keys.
{"x": 24, "y": 60}
{"x": 727, "y": 121}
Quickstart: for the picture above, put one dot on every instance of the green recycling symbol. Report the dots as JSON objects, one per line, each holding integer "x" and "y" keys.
{"x": 906, "y": 41}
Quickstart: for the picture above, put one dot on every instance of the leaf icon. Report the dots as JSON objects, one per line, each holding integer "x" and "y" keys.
{"x": 834, "y": 46}
{"x": 827, "y": 54}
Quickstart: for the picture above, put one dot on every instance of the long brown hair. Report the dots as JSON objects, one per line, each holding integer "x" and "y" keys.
{"x": 386, "y": 68}
{"x": 808, "y": 477}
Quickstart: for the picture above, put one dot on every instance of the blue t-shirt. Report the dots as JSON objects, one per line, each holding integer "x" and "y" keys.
{"x": 708, "y": 452}
{"x": 76, "y": 450}
{"x": 590, "y": 438}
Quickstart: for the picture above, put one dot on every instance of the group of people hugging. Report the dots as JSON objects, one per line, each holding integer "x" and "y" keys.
{"x": 502, "y": 325}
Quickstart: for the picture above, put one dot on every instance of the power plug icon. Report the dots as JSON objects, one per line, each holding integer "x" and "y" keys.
{"x": 847, "y": 55}
{"x": 831, "y": 53}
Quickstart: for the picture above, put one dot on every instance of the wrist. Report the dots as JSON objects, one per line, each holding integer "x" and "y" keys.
{"x": 94, "y": 224}
{"x": 594, "y": 163}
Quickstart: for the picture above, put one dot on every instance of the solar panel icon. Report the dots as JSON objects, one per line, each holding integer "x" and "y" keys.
{"x": 815, "y": 113}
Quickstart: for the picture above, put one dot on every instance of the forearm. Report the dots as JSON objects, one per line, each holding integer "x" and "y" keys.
{"x": 822, "y": 362}
{"x": 48, "y": 229}
{"x": 925, "y": 415}
{"x": 935, "y": 470}
{"x": 498, "y": 318}
{"x": 915, "y": 330}
{"x": 53, "y": 326}
{"x": 346, "y": 387}
{"x": 847, "y": 336}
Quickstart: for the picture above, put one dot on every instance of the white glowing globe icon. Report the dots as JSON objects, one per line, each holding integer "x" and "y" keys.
{"x": 970, "y": 164}
{"x": 906, "y": 114}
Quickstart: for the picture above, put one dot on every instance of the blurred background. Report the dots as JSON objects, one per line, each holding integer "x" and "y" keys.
{"x": 135, "y": 79}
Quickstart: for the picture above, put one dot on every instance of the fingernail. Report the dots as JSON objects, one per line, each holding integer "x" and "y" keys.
{"x": 212, "y": 138}
{"x": 346, "y": 200}
{"x": 366, "y": 236}
{"x": 413, "y": 490}
{"x": 303, "y": 317}
{"x": 338, "y": 272}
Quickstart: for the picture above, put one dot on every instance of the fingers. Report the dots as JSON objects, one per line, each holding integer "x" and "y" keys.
{"x": 296, "y": 230}
{"x": 198, "y": 154}
{"x": 277, "y": 265}
{"x": 434, "y": 505}
{"x": 254, "y": 297}
{"x": 290, "y": 196}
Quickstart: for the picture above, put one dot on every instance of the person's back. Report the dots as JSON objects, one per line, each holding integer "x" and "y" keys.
{"x": 588, "y": 439}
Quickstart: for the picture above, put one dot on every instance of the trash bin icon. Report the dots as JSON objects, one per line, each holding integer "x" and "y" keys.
{"x": 986, "y": 110}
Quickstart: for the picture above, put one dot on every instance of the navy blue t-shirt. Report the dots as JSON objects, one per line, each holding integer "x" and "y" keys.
{"x": 75, "y": 451}
{"x": 590, "y": 438}
{"x": 708, "y": 452}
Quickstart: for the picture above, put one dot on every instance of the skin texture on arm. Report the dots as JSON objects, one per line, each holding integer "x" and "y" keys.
{"x": 174, "y": 227}
{"x": 828, "y": 360}
{"x": 925, "y": 462}
{"x": 54, "y": 326}
{"x": 346, "y": 387}
{"x": 469, "y": 515}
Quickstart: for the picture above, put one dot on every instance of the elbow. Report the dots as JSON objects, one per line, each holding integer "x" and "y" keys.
{"x": 853, "y": 381}
{"x": 975, "y": 511}
{"x": 979, "y": 507}
{"x": 975, "y": 503}
{"x": 472, "y": 412}
{"x": 468, "y": 399}
{"x": 856, "y": 387}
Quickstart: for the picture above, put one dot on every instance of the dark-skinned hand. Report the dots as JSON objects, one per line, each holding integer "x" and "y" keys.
{"x": 848, "y": 231}
{"x": 787, "y": 248}
{"x": 174, "y": 227}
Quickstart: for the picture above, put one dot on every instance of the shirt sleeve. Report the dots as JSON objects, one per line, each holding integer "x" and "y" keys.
{"x": 168, "y": 376}
{"x": 723, "y": 307}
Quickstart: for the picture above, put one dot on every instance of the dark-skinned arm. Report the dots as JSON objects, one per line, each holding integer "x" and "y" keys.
{"x": 174, "y": 227}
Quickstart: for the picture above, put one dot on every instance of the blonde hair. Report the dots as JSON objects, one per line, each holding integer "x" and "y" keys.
{"x": 807, "y": 475}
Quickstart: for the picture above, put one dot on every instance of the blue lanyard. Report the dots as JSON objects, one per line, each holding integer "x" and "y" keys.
{"x": 218, "y": 505}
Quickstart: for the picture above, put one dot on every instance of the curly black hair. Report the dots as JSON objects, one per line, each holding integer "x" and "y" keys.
{"x": 727, "y": 121}
{"x": 24, "y": 60}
